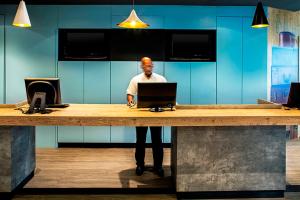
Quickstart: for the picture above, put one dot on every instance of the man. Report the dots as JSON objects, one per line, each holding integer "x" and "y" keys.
{"x": 141, "y": 132}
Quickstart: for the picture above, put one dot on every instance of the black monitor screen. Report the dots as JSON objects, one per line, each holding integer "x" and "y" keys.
{"x": 83, "y": 44}
{"x": 193, "y": 45}
{"x": 154, "y": 95}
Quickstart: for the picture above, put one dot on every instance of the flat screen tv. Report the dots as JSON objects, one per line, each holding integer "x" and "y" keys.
{"x": 83, "y": 44}
{"x": 191, "y": 45}
{"x": 132, "y": 45}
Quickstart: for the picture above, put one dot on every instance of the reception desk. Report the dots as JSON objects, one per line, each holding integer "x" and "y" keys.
{"x": 214, "y": 147}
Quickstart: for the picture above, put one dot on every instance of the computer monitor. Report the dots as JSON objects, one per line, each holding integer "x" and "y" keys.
{"x": 294, "y": 96}
{"x": 42, "y": 93}
{"x": 156, "y": 96}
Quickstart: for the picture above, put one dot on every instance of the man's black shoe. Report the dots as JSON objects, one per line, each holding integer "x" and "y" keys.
{"x": 139, "y": 170}
{"x": 160, "y": 171}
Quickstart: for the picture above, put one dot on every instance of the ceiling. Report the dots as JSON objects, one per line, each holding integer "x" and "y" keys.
{"x": 293, "y": 5}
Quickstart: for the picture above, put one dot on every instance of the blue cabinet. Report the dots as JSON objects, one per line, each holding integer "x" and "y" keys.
{"x": 190, "y": 17}
{"x": 180, "y": 72}
{"x": 229, "y": 60}
{"x": 71, "y": 83}
{"x": 73, "y": 134}
{"x": 254, "y": 63}
{"x": 84, "y": 16}
{"x": 46, "y": 137}
{"x": 203, "y": 83}
{"x": 121, "y": 74}
{"x": 96, "y": 84}
{"x": 2, "y": 77}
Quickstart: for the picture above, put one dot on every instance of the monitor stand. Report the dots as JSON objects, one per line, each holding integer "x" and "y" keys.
{"x": 42, "y": 106}
{"x": 156, "y": 109}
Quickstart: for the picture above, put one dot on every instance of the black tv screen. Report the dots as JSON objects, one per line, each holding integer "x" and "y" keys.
{"x": 132, "y": 45}
{"x": 192, "y": 45}
{"x": 83, "y": 45}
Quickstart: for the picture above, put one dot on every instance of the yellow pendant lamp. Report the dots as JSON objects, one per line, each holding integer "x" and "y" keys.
{"x": 133, "y": 21}
{"x": 22, "y": 18}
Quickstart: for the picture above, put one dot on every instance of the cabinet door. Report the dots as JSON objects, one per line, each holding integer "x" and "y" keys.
{"x": 96, "y": 91}
{"x": 190, "y": 17}
{"x": 121, "y": 74}
{"x": 180, "y": 72}
{"x": 71, "y": 78}
{"x": 70, "y": 134}
{"x": 71, "y": 81}
{"x": 254, "y": 62}
{"x": 46, "y": 137}
{"x": 84, "y": 16}
{"x": 229, "y": 60}
{"x": 203, "y": 83}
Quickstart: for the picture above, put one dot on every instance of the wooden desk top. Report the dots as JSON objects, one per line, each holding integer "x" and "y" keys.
{"x": 121, "y": 115}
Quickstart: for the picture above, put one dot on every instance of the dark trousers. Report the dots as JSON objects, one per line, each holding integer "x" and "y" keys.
{"x": 157, "y": 148}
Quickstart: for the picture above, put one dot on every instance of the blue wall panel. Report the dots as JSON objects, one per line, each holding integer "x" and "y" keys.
{"x": 203, "y": 83}
{"x": 96, "y": 84}
{"x": 254, "y": 63}
{"x": 122, "y": 73}
{"x": 70, "y": 134}
{"x": 94, "y": 134}
{"x": 180, "y": 72}
{"x": 71, "y": 83}
{"x": 235, "y": 11}
{"x": 190, "y": 17}
{"x": 229, "y": 60}
{"x": 84, "y": 16}
{"x": 2, "y": 39}
{"x": 30, "y": 52}
{"x": 46, "y": 136}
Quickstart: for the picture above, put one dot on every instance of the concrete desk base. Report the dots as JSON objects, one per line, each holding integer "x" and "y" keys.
{"x": 241, "y": 158}
{"x": 17, "y": 156}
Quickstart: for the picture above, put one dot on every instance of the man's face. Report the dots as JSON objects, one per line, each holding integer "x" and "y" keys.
{"x": 147, "y": 67}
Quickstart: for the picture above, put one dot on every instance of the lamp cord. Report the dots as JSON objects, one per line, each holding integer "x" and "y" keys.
{"x": 132, "y": 4}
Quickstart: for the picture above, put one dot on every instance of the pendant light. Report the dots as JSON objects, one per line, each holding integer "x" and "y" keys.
{"x": 133, "y": 21}
{"x": 260, "y": 20}
{"x": 22, "y": 18}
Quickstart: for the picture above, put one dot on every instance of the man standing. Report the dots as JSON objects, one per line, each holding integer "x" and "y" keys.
{"x": 141, "y": 132}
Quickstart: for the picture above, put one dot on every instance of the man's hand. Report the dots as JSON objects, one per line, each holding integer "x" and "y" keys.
{"x": 130, "y": 100}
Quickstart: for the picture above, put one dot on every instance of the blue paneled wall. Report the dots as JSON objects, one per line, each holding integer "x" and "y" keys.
{"x": 238, "y": 76}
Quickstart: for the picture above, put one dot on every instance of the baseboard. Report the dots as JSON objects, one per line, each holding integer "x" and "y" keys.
{"x": 57, "y": 191}
{"x": 105, "y": 145}
{"x": 231, "y": 194}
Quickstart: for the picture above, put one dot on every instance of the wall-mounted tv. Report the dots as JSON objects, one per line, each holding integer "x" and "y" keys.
{"x": 128, "y": 44}
{"x": 191, "y": 45}
{"x": 83, "y": 44}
